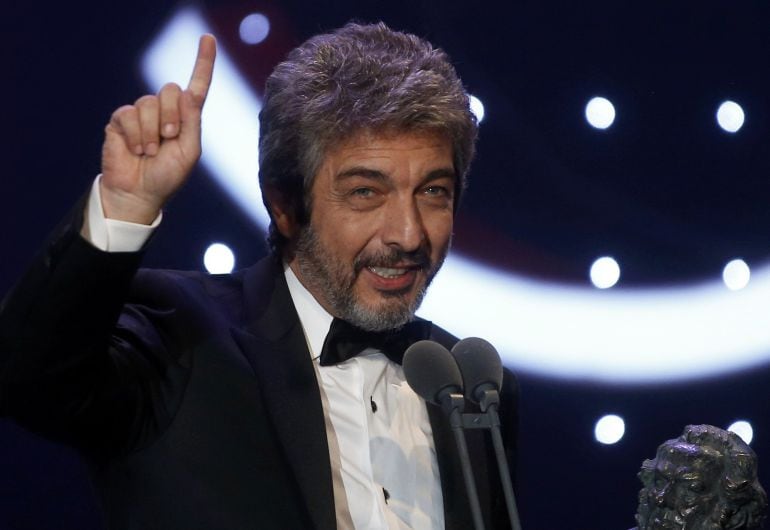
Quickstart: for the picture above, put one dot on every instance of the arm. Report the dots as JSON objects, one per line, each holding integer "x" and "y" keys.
{"x": 64, "y": 364}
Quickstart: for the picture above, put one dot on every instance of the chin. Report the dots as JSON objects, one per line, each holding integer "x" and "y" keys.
{"x": 389, "y": 311}
{"x": 672, "y": 520}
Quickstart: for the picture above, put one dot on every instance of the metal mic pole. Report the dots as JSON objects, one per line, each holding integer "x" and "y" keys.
{"x": 489, "y": 402}
{"x": 433, "y": 373}
{"x": 453, "y": 404}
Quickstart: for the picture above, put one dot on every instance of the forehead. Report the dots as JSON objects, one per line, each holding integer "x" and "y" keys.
{"x": 426, "y": 144}
{"x": 681, "y": 456}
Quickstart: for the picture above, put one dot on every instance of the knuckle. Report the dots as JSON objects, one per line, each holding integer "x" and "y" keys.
{"x": 147, "y": 100}
{"x": 121, "y": 112}
{"x": 197, "y": 99}
{"x": 170, "y": 88}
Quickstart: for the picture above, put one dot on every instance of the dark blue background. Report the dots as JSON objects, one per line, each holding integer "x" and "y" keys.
{"x": 664, "y": 190}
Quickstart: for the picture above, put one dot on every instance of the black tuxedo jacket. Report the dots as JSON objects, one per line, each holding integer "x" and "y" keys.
{"x": 192, "y": 396}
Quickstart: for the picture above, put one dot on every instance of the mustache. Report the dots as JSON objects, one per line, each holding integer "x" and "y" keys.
{"x": 393, "y": 257}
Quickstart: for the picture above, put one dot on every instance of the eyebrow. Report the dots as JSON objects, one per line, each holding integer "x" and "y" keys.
{"x": 361, "y": 171}
{"x": 440, "y": 173}
{"x": 374, "y": 174}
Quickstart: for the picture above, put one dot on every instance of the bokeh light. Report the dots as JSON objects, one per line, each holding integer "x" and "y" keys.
{"x": 600, "y": 113}
{"x": 609, "y": 429}
{"x": 254, "y": 28}
{"x": 730, "y": 116}
{"x": 219, "y": 259}
{"x": 605, "y": 272}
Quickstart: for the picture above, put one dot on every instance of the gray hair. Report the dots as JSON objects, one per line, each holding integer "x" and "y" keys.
{"x": 742, "y": 497}
{"x": 359, "y": 78}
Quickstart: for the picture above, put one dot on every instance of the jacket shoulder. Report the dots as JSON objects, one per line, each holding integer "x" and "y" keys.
{"x": 443, "y": 337}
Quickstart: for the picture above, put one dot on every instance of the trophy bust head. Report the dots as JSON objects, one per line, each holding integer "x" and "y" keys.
{"x": 704, "y": 480}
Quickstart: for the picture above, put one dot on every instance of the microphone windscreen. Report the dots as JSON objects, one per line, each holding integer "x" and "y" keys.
{"x": 430, "y": 368}
{"x": 479, "y": 363}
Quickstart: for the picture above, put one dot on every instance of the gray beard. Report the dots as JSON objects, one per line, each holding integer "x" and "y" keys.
{"x": 334, "y": 281}
{"x": 669, "y": 518}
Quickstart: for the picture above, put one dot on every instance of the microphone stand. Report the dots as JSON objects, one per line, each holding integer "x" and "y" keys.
{"x": 489, "y": 419}
{"x": 453, "y": 404}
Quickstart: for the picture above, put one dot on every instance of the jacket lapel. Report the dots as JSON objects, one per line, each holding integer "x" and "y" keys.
{"x": 274, "y": 344}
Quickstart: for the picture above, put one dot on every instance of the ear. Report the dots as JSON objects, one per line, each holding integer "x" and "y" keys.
{"x": 282, "y": 213}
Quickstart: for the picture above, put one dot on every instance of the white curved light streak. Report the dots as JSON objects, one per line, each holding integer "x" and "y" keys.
{"x": 619, "y": 335}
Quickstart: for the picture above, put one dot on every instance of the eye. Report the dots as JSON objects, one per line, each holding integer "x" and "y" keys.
{"x": 362, "y": 192}
{"x": 436, "y": 191}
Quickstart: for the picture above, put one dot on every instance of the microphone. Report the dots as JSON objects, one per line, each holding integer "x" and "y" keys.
{"x": 481, "y": 369}
{"x": 433, "y": 374}
{"x": 482, "y": 373}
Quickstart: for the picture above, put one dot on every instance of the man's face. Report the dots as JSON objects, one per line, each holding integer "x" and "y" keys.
{"x": 380, "y": 226}
{"x": 682, "y": 490}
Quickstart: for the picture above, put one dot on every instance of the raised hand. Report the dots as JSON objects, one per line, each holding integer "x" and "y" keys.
{"x": 150, "y": 147}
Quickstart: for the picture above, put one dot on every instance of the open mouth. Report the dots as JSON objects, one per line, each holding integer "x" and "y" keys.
{"x": 392, "y": 279}
{"x": 388, "y": 272}
{"x": 668, "y": 519}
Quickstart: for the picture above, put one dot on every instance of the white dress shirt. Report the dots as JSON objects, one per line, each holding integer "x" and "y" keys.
{"x": 384, "y": 465}
{"x": 387, "y": 458}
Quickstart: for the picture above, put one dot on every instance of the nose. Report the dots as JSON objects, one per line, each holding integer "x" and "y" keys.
{"x": 403, "y": 225}
{"x": 661, "y": 495}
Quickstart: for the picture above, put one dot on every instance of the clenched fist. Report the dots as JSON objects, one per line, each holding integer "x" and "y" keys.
{"x": 150, "y": 147}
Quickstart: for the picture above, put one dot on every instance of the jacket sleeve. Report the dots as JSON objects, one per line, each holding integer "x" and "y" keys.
{"x": 68, "y": 370}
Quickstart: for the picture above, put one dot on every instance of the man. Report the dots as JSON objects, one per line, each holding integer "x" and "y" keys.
{"x": 705, "y": 479}
{"x": 216, "y": 401}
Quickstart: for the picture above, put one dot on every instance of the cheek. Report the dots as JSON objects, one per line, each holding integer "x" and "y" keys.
{"x": 440, "y": 237}
{"x": 691, "y": 499}
{"x": 348, "y": 237}
{"x": 438, "y": 224}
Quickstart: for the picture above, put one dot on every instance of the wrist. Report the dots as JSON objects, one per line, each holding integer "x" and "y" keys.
{"x": 119, "y": 205}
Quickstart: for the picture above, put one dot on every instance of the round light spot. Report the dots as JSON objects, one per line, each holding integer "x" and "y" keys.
{"x": 600, "y": 112}
{"x": 219, "y": 259}
{"x": 254, "y": 28}
{"x": 730, "y": 116}
{"x": 477, "y": 108}
{"x": 736, "y": 275}
{"x": 743, "y": 429}
{"x": 609, "y": 429}
{"x": 605, "y": 272}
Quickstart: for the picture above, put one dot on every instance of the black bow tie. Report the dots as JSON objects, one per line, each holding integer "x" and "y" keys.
{"x": 345, "y": 341}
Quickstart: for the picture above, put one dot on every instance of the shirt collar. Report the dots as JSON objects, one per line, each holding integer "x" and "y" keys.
{"x": 314, "y": 318}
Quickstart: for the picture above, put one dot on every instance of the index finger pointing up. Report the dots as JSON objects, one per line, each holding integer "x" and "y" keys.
{"x": 203, "y": 69}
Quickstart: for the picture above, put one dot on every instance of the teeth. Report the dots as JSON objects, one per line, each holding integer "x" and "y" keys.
{"x": 387, "y": 273}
